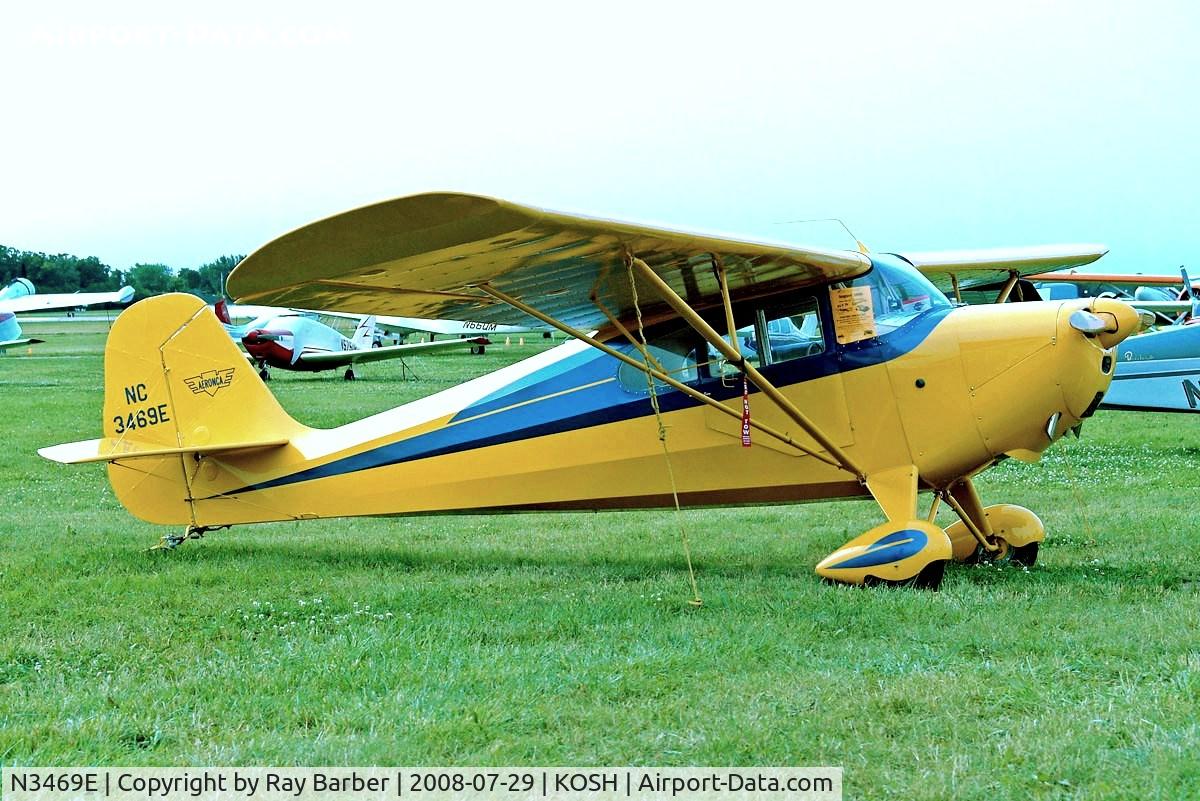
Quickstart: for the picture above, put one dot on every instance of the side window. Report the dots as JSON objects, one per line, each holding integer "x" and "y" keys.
{"x": 793, "y": 333}
{"x": 676, "y": 356}
{"x": 776, "y": 335}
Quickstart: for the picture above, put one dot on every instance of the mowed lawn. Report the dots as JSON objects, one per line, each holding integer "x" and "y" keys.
{"x": 566, "y": 639}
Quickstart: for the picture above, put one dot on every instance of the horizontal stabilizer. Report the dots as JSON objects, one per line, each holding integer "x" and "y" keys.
{"x": 116, "y": 450}
{"x": 13, "y": 343}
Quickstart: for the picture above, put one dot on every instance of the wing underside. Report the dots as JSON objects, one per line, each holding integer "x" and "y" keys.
{"x": 424, "y": 256}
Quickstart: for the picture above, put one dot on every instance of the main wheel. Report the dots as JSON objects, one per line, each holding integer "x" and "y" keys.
{"x": 264, "y": 375}
{"x": 1023, "y": 555}
{"x": 349, "y": 374}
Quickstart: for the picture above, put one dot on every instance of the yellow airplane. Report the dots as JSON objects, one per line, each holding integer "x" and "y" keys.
{"x": 775, "y": 373}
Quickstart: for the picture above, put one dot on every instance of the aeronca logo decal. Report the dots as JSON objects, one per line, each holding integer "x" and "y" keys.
{"x": 210, "y": 382}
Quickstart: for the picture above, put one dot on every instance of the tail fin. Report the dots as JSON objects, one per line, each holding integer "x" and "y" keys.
{"x": 364, "y": 335}
{"x": 176, "y": 388}
{"x": 221, "y": 309}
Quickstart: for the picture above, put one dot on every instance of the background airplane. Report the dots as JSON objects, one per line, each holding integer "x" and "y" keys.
{"x": 1165, "y": 296}
{"x": 298, "y": 341}
{"x": 432, "y": 329}
{"x": 1158, "y": 371}
{"x": 21, "y": 296}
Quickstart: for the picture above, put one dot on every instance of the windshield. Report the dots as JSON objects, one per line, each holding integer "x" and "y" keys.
{"x": 898, "y": 293}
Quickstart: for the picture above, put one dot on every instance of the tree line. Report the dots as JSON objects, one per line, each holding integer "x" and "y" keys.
{"x": 66, "y": 273}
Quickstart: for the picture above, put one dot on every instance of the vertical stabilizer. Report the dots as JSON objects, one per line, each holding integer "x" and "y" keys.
{"x": 364, "y": 335}
{"x": 182, "y": 409}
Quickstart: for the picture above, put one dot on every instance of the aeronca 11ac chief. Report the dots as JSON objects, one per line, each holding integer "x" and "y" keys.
{"x": 849, "y": 375}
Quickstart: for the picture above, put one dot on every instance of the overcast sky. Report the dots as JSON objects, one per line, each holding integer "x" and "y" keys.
{"x": 137, "y": 132}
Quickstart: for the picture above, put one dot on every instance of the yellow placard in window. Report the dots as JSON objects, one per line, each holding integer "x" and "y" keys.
{"x": 853, "y": 314}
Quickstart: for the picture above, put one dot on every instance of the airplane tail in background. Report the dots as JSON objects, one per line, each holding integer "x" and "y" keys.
{"x": 364, "y": 335}
{"x": 10, "y": 332}
{"x": 182, "y": 408}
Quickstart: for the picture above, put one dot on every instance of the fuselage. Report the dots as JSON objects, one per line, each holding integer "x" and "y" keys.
{"x": 1158, "y": 372}
{"x": 949, "y": 390}
{"x": 281, "y": 341}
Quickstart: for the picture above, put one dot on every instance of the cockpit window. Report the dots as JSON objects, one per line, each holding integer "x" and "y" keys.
{"x": 899, "y": 293}
{"x": 793, "y": 334}
{"x": 778, "y": 334}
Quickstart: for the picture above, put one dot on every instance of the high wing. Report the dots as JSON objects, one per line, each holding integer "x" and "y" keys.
{"x": 408, "y": 325}
{"x": 424, "y": 256}
{"x": 976, "y": 268}
{"x": 73, "y": 300}
{"x": 347, "y": 357}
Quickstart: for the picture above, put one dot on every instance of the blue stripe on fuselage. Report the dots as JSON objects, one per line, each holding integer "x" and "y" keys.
{"x": 542, "y": 412}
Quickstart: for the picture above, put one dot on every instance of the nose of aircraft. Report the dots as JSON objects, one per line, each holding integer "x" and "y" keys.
{"x": 1087, "y": 332}
{"x": 1109, "y": 320}
{"x": 260, "y": 336}
{"x": 263, "y": 343}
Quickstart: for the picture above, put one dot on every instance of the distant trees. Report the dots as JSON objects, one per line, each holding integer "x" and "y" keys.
{"x": 150, "y": 279}
{"x": 66, "y": 273}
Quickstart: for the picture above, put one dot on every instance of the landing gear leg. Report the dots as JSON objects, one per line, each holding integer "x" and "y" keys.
{"x": 1002, "y": 532}
{"x": 906, "y": 550}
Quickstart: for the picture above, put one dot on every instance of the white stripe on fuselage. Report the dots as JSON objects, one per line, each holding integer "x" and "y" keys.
{"x": 448, "y": 402}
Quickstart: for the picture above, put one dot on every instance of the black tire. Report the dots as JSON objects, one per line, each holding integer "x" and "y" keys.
{"x": 349, "y": 376}
{"x": 930, "y": 577}
{"x": 1025, "y": 555}
{"x": 264, "y": 375}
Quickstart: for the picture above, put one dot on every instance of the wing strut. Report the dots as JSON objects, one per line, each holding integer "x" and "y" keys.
{"x": 734, "y": 356}
{"x": 656, "y": 373}
{"x": 1006, "y": 290}
{"x": 957, "y": 292}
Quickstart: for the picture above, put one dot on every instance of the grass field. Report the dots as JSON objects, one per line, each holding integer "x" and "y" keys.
{"x": 566, "y": 639}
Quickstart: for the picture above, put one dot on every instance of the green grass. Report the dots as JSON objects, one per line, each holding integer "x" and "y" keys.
{"x": 566, "y": 638}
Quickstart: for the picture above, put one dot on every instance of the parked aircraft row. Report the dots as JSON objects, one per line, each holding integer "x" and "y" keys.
{"x": 297, "y": 340}
{"x": 779, "y": 373}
